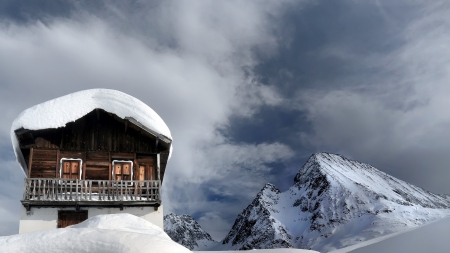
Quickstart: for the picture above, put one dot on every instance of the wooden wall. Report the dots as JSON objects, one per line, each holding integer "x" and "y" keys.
{"x": 45, "y": 163}
{"x": 98, "y": 130}
{"x": 97, "y": 138}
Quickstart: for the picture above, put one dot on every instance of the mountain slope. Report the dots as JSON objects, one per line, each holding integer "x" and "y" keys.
{"x": 184, "y": 230}
{"x": 334, "y": 202}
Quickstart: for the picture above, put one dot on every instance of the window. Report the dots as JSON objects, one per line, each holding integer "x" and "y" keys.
{"x": 70, "y": 168}
{"x": 122, "y": 170}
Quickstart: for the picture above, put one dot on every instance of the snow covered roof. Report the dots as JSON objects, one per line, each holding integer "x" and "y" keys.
{"x": 58, "y": 112}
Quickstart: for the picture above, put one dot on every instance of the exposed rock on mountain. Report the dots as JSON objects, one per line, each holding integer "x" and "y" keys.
{"x": 334, "y": 202}
{"x": 184, "y": 230}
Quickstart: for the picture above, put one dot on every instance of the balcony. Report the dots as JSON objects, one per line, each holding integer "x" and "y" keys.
{"x": 82, "y": 193}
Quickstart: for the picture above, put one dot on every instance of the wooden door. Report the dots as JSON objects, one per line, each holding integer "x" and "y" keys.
{"x": 145, "y": 172}
{"x": 141, "y": 173}
{"x": 68, "y": 218}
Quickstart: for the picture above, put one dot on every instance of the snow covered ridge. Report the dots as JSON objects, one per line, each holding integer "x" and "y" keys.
{"x": 334, "y": 203}
{"x": 58, "y": 112}
{"x": 184, "y": 230}
{"x": 112, "y": 233}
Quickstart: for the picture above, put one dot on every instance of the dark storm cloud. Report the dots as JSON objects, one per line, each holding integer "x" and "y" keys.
{"x": 330, "y": 43}
{"x": 363, "y": 79}
{"x": 396, "y": 120}
{"x": 31, "y": 10}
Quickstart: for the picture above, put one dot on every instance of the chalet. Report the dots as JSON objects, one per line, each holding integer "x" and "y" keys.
{"x": 91, "y": 152}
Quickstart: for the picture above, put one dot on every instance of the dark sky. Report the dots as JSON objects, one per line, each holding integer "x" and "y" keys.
{"x": 249, "y": 90}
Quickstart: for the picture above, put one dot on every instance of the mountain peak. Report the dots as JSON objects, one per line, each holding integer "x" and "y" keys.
{"x": 184, "y": 230}
{"x": 334, "y": 202}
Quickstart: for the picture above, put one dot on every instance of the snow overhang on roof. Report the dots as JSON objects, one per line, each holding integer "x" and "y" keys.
{"x": 60, "y": 111}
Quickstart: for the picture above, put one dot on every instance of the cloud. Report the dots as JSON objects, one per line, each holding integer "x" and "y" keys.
{"x": 398, "y": 122}
{"x": 11, "y": 190}
{"x": 212, "y": 221}
{"x": 190, "y": 61}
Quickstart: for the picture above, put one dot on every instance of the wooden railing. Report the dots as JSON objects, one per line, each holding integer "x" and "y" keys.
{"x": 58, "y": 189}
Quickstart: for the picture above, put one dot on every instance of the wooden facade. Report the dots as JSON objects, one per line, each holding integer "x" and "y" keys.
{"x": 99, "y": 147}
{"x": 97, "y": 139}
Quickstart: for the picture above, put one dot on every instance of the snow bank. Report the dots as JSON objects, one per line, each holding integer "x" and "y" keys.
{"x": 264, "y": 251}
{"x": 60, "y": 111}
{"x": 428, "y": 238}
{"x": 101, "y": 234}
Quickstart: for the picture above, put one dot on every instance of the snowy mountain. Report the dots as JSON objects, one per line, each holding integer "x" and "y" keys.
{"x": 334, "y": 203}
{"x": 184, "y": 230}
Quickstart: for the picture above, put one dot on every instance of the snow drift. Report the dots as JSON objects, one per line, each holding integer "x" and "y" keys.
{"x": 58, "y": 112}
{"x": 112, "y": 233}
{"x": 428, "y": 238}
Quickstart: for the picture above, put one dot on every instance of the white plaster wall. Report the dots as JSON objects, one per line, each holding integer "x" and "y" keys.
{"x": 39, "y": 219}
{"x": 45, "y": 218}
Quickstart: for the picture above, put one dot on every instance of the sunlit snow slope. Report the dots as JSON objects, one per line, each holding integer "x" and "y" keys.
{"x": 334, "y": 202}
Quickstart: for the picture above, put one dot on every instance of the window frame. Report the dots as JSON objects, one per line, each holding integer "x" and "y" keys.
{"x": 61, "y": 162}
{"x": 130, "y": 181}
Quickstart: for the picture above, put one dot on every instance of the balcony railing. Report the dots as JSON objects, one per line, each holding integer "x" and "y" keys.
{"x": 59, "y": 189}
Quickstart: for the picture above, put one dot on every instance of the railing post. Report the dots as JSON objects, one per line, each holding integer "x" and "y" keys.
{"x": 25, "y": 190}
{"x": 70, "y": 188}
{"x": 85, "y": 190}
{"x": 57, "y": 187}
{"x": 44, "y": 181}
{"x": 100, "y": 189}
{"x": 53, "y": 189}
{"x": 121, "y": 190}
{"x": 148, "y": 192}
{"x": 90, "y": 189}
{"x": 76, "y": 189}
{"x": 39, "y": 190}
{"x": 159, "y": 189}
{"x": 65, "y": 190}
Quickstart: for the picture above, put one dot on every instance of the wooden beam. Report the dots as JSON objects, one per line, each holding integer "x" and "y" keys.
{"x": 57, "y": 163}
{"x": 158, "y": 166}
{"x": 136, "y": 167}
{"x": 30, "y": 162}
{"x": 109, "y": 165}
{"x": 84, "y": 165}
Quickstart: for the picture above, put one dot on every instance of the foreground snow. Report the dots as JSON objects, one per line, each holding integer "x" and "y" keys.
{"x": 100, "y": 234}
{"x": 112, "y": 233}
{"x": 265, "y": 251}
{"x": 428, "y": 238}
